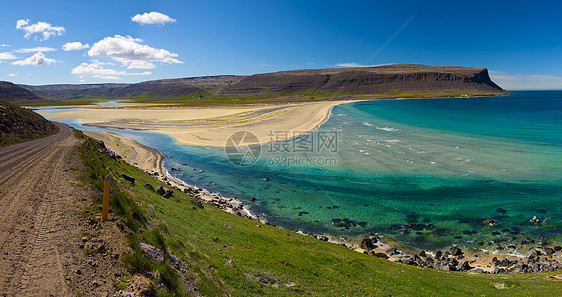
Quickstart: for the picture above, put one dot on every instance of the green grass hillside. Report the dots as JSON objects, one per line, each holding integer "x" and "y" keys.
{"x": 267, "y": 261}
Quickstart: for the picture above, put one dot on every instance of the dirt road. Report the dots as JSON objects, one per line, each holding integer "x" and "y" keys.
{"x": 42, "y": 235}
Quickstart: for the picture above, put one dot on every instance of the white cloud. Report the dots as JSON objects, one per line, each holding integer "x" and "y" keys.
{"x": 38, "y": 59}
{"x": 131, "y": 53}
{"x": 12, "y": 75}
{"x": 7, "y": 56}
{"x": 97, "y": 69}
{"x": 108, "y": 77}
{"x": 526, "y": 82}
{"x": 4, "y": 45}
{"x": 46, "y": 29}
{"x": 36, "y": 49}
{"x": 75, "y": 46}
{"x": 152, "y": 18}
{"x": 21, "y": 23}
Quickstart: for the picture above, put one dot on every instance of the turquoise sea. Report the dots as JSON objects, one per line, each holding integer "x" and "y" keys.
{"x": 426, "y": 172}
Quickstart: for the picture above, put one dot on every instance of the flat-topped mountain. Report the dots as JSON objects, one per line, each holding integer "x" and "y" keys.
{"x": 365, "y": 80}
{"x": 368, "y": 80}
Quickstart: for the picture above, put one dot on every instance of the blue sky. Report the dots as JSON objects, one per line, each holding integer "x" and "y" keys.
{"x": 519, "y": 42}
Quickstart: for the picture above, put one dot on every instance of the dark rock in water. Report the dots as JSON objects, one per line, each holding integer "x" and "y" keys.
{"x": 506, "y": 230}
{"x": 549, "y": 251}
{"x": 303, "y": 213}
{"x": 501, "y": 210}
{"x": 253, "y": 199}
{"x": 455, "y": 251}
{"x": 128, "y": 178}
{"x": 558, "y": 248}
{"x": 490, "y": 222}
{"x": 458, "y": 237}
{"x": 413, "y": 218}
{"x": 367, "y": 244}
{"x": 429, "y": 227}
{"x": 527, "y": 240}
{"x": 495, "y": 233}
{"x": 438, "y": 254}
{"x": 422, "y": 254}
{"x": 480, "y": 243}
{"x": 417, "y": 227}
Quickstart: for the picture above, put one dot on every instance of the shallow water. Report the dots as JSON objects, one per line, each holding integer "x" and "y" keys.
{"x": 426, "y": 172}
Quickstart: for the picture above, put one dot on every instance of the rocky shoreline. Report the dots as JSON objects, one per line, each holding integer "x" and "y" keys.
{"x": 526, "y": 256}
{"x": 538, "y": 258}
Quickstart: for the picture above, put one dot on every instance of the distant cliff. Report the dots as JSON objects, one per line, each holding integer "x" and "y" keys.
{"x": 11, "y": 92}
{"x": 366, "y": 80}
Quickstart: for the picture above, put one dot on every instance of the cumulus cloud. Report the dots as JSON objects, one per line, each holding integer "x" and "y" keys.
{"x": 36, "y": 49}
{"x": 7, "y": 56}
{"x": 12, "y": 75}
{"x": 152, "y": 18}
{"x": 46, "y": 29}
{"x": 38, "y": 59}
{"x": 75, "y": 46}
{"x": 97, "y": 69}
{"x": 526, "y": 82}
{"x": 131, "y": 53}
{"x": 4, "y": 45}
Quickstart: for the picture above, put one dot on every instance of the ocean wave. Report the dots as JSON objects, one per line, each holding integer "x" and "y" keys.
{"x": 388, "y": 129}
{"x": 367, "y": 124}
{"x": 392, "y": 140}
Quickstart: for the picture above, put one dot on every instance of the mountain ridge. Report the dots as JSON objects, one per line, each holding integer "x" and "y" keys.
{"x": 361, "y": 80}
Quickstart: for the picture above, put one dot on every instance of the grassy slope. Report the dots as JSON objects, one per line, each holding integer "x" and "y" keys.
{"x": 19, "y": 125}
{"x": 206, "y": 238}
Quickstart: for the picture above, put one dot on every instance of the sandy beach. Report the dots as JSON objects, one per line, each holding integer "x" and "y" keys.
{"x": 143, "y": 157}
{"x": 209, "y": 126}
